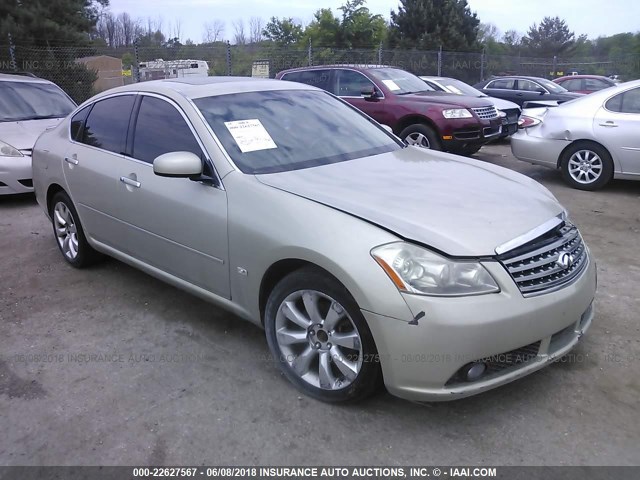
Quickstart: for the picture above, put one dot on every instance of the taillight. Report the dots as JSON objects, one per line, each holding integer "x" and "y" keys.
{"x": 526, "y": 122}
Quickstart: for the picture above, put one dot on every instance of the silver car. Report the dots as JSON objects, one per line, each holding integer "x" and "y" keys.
{"x": 28, "y": 106}
{"x": 360, "y": 256}
{"x": 591, "y": 140}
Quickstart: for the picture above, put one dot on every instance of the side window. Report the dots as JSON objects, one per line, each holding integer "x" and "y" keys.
{"x": 593, "y": 84}
{"x": 573, "y": 84}
{"x": 161, "y": 129}
{"x": 351, "y": 83}
{"x": 627, "y": 102}
{"x": 106, "y": 126}
{"x": 631, "y": 101}
{"x": 77, "y": 122}
{"x": 315, "y": 78}
{"x": 503, "y": 84}
{"x": 528, "y": 86}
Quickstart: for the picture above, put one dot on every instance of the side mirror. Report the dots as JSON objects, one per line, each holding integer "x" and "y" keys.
{"x": 541, "y": 91}
{"x": 387, "y": 128}
{"x": 369, "y": 93}
{"x": 178, "y": 165}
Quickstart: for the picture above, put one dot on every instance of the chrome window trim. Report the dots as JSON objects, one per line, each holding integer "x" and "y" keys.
{"x": 141, "y": 162}
{"x": 531, "y": 234}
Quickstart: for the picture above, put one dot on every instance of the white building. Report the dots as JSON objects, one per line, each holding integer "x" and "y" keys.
{"x": 159, "y": 69}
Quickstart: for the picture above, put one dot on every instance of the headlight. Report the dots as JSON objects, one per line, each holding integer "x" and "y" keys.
{"x": 502, "y": 114}
{"x": 7, "y": 150}
{"x": 457, "y": 113}
{"x": 416, "y": 270}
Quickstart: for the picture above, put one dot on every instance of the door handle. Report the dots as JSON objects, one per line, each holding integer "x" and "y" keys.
{"x": 71, "y": 160}
{"x": 609, "y": 124}
{"x": 129, "y": 181}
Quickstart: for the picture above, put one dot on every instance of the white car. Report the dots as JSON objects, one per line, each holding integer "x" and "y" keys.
{"x": 28, "y": 106}
{"x": 592, "y": 139}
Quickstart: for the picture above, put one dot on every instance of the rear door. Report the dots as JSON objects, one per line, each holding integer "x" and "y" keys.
{"x": 98, "y": 137}
{"x": 174, "y": 224}
{"x": 503, "y": 88}
{"x": 617, "y": 126}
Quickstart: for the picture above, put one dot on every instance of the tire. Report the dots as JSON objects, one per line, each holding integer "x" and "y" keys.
{"x": 586, "y": 166}
{"x": 69, "y": 234}
{"x": 468, "y": 151}
{"x": 421, "y": 136}
{"x": 346, "y": 370}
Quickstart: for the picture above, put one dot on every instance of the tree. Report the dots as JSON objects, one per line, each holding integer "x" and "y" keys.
{"x": 255, "y": 29}
{"x": 551, "y": 37}
{"x": 359, "y": 27}
{"x": 324, "y": 30}
{"x": 213, "y": 31}
{"x": 283, "y": 31}
{"x": 239, "y": 37}
{"x": 431, "y": 24}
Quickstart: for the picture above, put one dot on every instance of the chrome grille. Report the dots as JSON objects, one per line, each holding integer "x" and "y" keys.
{"x": 486, "y": 112}
{"x": 537, "y": 268}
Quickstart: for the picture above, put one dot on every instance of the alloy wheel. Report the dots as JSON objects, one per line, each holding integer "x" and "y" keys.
{"x": 418, "y": 139}
{"x": 585, "y": 166}
{"x": 66, "y": 230}
{"x": 318, "y": 339}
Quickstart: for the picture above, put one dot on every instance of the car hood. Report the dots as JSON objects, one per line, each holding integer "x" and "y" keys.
{"x": 459, "y": 206}
{"x": 503, "y": 104}
{"x": 23, "y": 134}
{"x": 446, "y": 98}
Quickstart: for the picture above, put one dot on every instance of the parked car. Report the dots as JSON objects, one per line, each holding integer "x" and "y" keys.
{"x": 415, "y": 112}
{"x": 530, "y": 90}
{"x": 585, "y": 83}
{"x": 294, "y": 210}
{"x": 28, "y": 106}
{"x": 451, "y": 85}
{"x": 591, "y": 140}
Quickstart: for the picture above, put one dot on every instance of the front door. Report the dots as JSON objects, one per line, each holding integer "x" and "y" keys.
{"x": 174, "y": 224}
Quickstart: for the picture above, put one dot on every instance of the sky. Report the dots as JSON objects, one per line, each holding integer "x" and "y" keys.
{"x": 591, "y": 17}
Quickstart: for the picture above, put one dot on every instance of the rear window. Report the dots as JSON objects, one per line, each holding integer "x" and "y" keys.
{"x": 276, "y": 131}
{"x": 505, "y": 83}
{"x": 315, "y": 78}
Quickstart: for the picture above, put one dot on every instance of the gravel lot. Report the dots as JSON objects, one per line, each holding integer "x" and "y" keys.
{"x": 175, "y": 380}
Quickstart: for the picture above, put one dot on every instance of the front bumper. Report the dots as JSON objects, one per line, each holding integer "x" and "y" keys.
{"x": 459, "y": 134}
{"x": 420, "y": 362}
{"x": 15, "y": 175}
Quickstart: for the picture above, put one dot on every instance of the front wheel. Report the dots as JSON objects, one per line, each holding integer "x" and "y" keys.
{"x": 319, "y": 338}
{"x": 421, "y": 136}
{"x": 586, "y": 166}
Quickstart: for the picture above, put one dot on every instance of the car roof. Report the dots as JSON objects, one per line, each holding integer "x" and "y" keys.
{"x": 196, "y": 87}
{"x": 515, "y": 77}
{"x": 7, "y": 77}
{"x": 600, "y": 77}
{"x": 353, "y": 66}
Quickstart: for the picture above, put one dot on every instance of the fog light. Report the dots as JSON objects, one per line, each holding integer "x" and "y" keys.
{"x": 473, "y": 371}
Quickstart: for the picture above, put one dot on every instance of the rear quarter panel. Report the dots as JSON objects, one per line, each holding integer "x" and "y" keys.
{"x": 47, "y": 161}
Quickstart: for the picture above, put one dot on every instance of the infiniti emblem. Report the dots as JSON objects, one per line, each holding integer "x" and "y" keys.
{"x": 565, "y": 260}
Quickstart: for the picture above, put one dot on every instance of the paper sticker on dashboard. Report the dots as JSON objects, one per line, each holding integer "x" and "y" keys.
{"x": 391, "y": 85}
{"x": 250, "y": 135}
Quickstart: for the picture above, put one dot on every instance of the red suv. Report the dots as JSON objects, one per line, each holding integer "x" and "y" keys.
{"x": 417, "y": 113}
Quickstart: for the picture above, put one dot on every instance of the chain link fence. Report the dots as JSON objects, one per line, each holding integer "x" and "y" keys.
{"x": 83, "y": 71}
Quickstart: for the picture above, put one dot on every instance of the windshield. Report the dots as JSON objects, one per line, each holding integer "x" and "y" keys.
{"x": 460, "y": 88}
{"x": 552, "y": 87}
{"x": 32, "y": 101}
{"x": 399, "y": 81}
{"x": 277, "y": 131}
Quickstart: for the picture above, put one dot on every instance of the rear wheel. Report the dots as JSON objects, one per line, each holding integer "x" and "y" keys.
{"x": 319, "y": 338}
{"x": 586, "y": 166}
{"x": 69, "y": 233}
{"x": 421, "y": 136}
